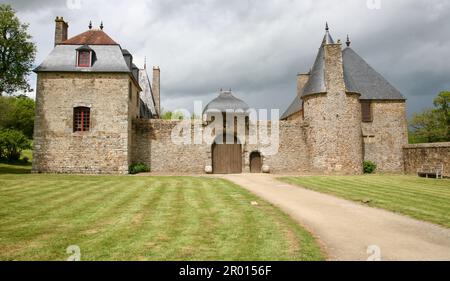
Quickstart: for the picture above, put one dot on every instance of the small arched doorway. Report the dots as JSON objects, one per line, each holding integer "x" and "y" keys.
{"x": 255, "y": 162}
{"x": 227, "y": 158}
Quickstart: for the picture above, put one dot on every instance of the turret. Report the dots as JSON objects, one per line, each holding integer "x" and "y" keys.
{"x": 333, "y": 114}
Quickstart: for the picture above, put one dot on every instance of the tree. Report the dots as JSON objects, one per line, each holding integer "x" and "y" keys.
{"x": 17, "y": 52}
{"x": 17, "y": 113}
{"x": 12, "y": 143}
{"x": 442, "y": 102}
{"x": 169, "y": 115}
{"x": 432, "y": 125}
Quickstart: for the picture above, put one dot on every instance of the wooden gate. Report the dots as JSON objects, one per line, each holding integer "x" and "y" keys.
{"x": 227, "y": 158}
{"x": 255, "y": 162}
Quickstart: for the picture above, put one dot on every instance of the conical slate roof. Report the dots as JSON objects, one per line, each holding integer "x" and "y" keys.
{"x": 327, "y": 39}
{"x": 226, "y": 101}
{"x": 316, "y": 82}
{"x": 361, "y": 78}
{"x": 295, "y": 107}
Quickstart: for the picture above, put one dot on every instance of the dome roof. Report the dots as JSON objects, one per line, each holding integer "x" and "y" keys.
{"x": 226, "y": 101}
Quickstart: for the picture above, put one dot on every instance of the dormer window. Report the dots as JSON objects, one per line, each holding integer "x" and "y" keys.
{"x": 84, "y": 59}
{"x": 84, "y": 56}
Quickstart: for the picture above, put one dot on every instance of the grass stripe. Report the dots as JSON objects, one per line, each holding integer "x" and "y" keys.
{"x": 419, "y": 198}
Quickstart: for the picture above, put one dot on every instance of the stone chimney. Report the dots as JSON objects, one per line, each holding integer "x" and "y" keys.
{"x": 61, "y": 28}
{"x": 156, "y": 88}
{"x": 343, "y": 118}
{"x": 302, "y": 79}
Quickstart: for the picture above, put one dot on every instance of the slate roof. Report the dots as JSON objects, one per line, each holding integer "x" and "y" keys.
{"x": 316, "y": 82}
{"x": 361, "y": 78}
{"x": 226, "y": 101}
{"x": 295, "y": 107}
{"x": 327, "y": 39}
{"x": 90, "y": 37}
{"x": 109, "y": 58}
{"x": 148, "y": 104}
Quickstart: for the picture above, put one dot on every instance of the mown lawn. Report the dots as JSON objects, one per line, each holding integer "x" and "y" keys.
{"x": 143, "y": 218}
{"x": 424, "y": 199}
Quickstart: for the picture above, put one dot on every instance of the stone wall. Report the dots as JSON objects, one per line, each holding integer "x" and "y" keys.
{"x": 104, "y": 149}
{"x": 386, "y": 135}
{"x": 298, "y": 116}
{"x": 416, "y": 155}
{"x": 153, "y": 145}
{"x": 293, "y": 152}
{"x": 334, "y": 118}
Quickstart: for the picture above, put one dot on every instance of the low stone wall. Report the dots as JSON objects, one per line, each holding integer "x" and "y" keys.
{"x": 152, "y": 145}
{"x": 293, "y": 153}
{"x": 416, "y": 155}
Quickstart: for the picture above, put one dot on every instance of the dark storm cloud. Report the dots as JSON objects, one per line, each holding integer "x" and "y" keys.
{"x": 30, "y": 5}
{"x": 257, "y": 47}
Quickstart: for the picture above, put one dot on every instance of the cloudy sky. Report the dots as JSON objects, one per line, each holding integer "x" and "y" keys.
{"x": 257, "y": 47}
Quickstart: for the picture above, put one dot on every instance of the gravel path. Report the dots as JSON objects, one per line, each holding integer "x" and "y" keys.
{"x": 348, "y": 229}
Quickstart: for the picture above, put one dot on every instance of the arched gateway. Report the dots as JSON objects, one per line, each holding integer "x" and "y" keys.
{"x": 227, "y": 156}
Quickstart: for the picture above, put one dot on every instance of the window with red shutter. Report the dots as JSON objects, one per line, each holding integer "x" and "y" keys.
{"x": 84, "y": 59}
{"x": 366, "y": 110}
{"x": 81, "y": 119}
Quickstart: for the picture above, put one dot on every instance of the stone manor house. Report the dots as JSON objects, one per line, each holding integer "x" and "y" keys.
{"x": 98, "y": 113}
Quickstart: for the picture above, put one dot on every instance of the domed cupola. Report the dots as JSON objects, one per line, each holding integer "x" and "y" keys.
{"x": 226, "y": 101}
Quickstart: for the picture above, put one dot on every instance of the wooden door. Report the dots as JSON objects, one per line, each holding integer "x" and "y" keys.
{"x": 255, "y": 162}
{"x": 227, "y": 158}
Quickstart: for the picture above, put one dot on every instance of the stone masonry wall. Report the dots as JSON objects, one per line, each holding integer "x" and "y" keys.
{"x": 334, "y": 117}
{"x": 416, "y": 155}
{"x": 104, "y": 149}
{"x": 298, "y": 116}
{"x": 385, "y": 137}
{"x": 154, "y": 147}
{"x": 293, "y": 153}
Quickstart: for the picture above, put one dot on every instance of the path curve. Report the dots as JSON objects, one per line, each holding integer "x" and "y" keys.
{"x": 347, "y": 228}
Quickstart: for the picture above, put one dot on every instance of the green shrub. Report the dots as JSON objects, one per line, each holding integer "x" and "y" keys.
{"x": 369, "y": 167}
{"x": 12, "y": 143}
{"x": 138, "y": 168}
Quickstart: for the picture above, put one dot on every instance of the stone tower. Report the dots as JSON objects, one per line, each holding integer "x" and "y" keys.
{"x": 333, "y": 114}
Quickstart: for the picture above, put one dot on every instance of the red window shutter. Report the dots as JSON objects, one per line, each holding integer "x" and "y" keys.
{"x": 84, "y": 59}
{"x": 81, "y": 119}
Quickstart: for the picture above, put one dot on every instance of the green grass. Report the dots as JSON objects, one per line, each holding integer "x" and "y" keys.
{"x": 143, "y": 218}
{"x": 420, "y": 198}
